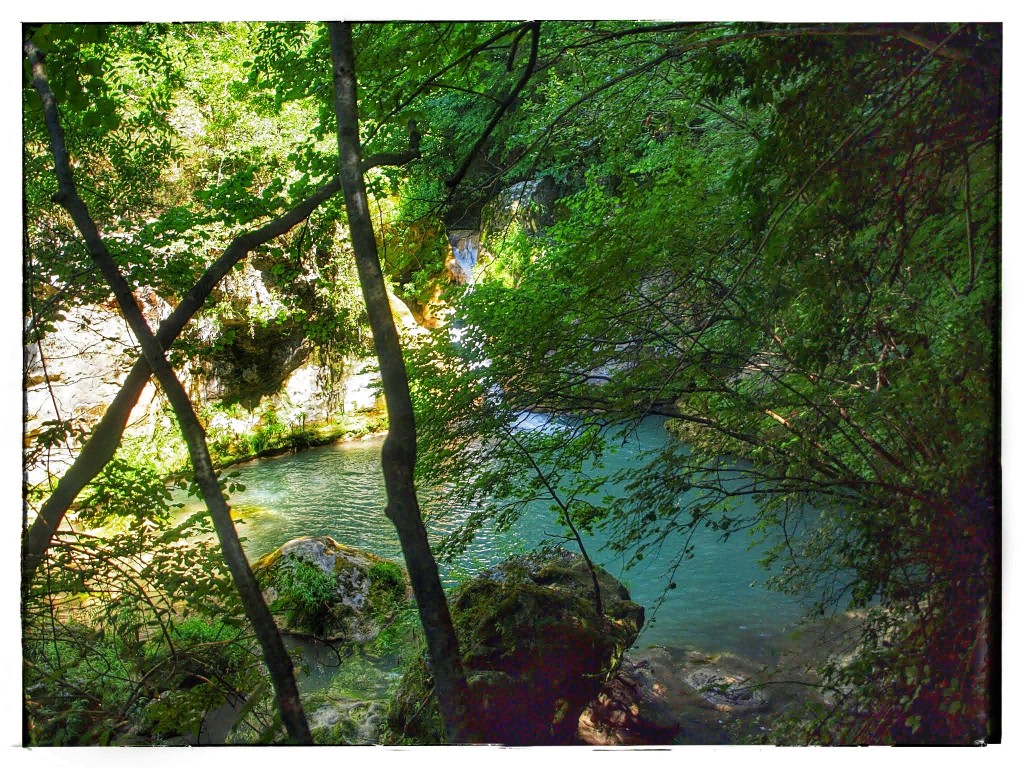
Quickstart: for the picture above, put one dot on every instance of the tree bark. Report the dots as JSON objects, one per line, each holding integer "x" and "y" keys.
{"x": 256, "y": 610}
{"x": 106, "y": 436}
{"x": 399, "y": 451}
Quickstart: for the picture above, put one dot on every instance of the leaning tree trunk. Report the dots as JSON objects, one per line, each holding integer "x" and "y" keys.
{"x": 399, "y": 452}
{"x": 256, "y": 610}
{"x": 106, "y": 436}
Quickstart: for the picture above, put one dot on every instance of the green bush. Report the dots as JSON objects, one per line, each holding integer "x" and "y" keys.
{"x": 305, "y": 593}
{"x": 387, "y": 586}
{"x": 74, "y": 683}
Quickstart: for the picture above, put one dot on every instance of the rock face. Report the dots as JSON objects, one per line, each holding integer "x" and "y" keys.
{"x": 254, "y": 361}
{"x": 675, "y": 697}
{"x": 529, "y": 204}
{"x": 316, "y": 586}
{"x": 534, "y": 649}
{"x": 77, "y": 372}
{"x": 632, "y": 708}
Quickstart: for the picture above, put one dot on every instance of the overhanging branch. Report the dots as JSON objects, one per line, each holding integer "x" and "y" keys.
{"x": 395, "y": 158}
{"x": 531, "y": 65}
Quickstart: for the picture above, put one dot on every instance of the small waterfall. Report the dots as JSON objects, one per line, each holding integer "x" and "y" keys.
{"x": 465, "y": 251}
{"x": 535, "y": 421}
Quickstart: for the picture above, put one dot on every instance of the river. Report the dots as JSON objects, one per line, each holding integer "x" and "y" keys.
{"x": 338, "y": 491}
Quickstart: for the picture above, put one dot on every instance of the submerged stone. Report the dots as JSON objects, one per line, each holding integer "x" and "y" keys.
{"x": 316, "y": 586}
{"x": 634, "y": 707}
{"x": 680, "y": 696}
{"x": 726, "y": 692}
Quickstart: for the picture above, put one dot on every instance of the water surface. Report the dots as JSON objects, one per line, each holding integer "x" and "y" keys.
{"x": 338, "y": 491}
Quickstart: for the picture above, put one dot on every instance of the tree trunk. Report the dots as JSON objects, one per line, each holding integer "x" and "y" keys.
{"x": 256, "y": 610}
{"x": 106, "y": 435}
{"x": 399, "y": 452}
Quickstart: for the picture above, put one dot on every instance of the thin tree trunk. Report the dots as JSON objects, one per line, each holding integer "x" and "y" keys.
{"x": 399, "y": 451}
{"x": 274, "y": 652}
{"x": 106, "y": 436}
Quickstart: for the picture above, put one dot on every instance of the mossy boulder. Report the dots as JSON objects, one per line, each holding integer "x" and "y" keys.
{"x": 345, "y": 723}
{"x": 316, "y": 586}
{"x": 534, "y": 649}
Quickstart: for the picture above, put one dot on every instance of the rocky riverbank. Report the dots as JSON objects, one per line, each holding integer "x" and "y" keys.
{"x": 545, "y": 665}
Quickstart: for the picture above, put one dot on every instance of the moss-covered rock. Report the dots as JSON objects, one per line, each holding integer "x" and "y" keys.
{"x": 534, "y": 648}
{"x": 345, "y": 723}
{"x": 316, "y": 586}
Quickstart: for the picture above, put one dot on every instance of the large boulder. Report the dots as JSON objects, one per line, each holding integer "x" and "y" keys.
{"x": 534, "y": 649}
{"x": 316, "y": 586}
{"x": 677, "y": 696}
{"x": 635, "y": 706}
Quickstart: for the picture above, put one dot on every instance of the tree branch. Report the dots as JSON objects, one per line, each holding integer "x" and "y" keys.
{"x": 432, "y": 80}
{"x": 395, "y": 158}
{"x": 556, "y": 497}
{"x": 274, "y": 652}
{"x": 531, "y": 64}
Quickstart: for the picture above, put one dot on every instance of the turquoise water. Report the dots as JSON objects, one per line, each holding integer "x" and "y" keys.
{"x": 338, "y": 491}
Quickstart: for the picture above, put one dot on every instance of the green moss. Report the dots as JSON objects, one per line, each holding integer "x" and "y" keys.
{"x": 387, "y": 575}
{"x": 552, "y": 573}
{"x": 387, "y": 587}
{"x": 413, "y": 716}
{"x": 351, "y": 728}
{"x": 272, "y": 438}
{"x": 304, "y": 593}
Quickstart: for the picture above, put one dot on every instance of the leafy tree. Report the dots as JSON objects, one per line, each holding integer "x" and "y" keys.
{"x": 798, "y": 266}
{"x": 783, "y": 238}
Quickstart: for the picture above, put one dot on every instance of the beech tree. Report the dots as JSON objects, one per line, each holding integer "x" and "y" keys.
{"x": 399, "y": 451}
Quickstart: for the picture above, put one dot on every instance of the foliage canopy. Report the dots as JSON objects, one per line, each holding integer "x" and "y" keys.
{"x": 784, "y": 239}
